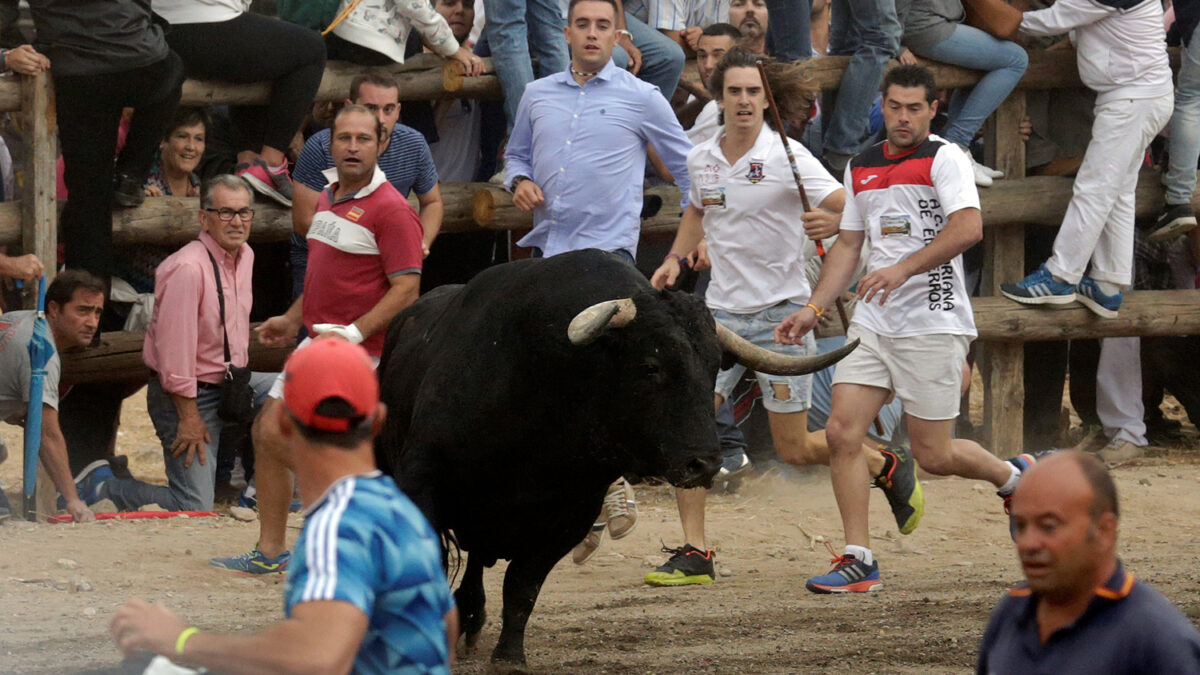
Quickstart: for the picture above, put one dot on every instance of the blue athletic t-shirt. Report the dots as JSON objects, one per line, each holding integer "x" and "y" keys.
{"x": 365, "y": 543}
{"x": 407, "y": 162}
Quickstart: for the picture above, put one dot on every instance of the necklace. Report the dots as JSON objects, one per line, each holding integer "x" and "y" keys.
{"x": 582, "y": 74}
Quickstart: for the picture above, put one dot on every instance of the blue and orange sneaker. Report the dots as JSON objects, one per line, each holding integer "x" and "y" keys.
{"x": 849, "y": 575}
{"x": 254, "y": 563}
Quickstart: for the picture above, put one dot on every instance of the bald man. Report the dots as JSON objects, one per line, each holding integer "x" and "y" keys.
{"x": 1079, "y": 610}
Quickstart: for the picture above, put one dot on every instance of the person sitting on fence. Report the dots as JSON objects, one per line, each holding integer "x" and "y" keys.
{"x": 1122, "y": 56}
{"x": 459, "y": 121}
{"x": 74, "y": 302}
{"x": 1080, "y": 610}
{"x": 201, "y": 327}
{"x": 220, "y": 40}
{"x": 404, "y": 158}
{"x": 367, "y": 593}
{"x": 365, "y": 268}
{"x": 934, "y": 29}
{"x": 105, "y": 56}
{"x": 1178, "y": 217}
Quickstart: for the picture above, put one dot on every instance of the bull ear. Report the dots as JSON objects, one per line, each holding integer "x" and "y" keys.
{"x": 593, "y": 321}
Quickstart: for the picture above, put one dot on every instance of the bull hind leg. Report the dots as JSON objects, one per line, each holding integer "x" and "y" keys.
{"x": 470, "y": 598}
{"x": 522, "y": 583}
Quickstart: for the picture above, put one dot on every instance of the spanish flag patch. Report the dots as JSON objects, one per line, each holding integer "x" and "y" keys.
{"x": 354, "y": 214}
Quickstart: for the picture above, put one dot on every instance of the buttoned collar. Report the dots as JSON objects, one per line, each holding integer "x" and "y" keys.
{"x": 1115, "y": 589}
{"x": 331, "y": 176}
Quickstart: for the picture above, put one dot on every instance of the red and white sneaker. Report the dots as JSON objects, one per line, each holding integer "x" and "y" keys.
{"x": 276, "y": 185}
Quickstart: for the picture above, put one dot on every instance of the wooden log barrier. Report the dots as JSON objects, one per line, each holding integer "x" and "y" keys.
{"x": 492, "y": 208}
{"x": 172, "y": 220}
{"x": 119, "y": 358}
{"x": 1142, "y": 313}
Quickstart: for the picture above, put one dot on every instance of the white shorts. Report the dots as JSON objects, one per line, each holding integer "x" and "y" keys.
{"x": 925, "y": 371}
{"x": 277, "y": 387}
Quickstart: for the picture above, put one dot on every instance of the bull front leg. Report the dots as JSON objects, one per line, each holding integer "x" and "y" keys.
{"x": 522, "y": 583}
{"x": 471, "y": 601}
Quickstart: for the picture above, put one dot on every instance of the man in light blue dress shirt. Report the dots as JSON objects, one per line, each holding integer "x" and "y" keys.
{"x": 577, "y": 153}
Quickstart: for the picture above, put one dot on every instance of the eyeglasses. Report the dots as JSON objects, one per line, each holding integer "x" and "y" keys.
{"x": 226, "y": 215}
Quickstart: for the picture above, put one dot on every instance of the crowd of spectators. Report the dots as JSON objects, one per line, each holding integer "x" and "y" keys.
{"x": 118, "y": 72}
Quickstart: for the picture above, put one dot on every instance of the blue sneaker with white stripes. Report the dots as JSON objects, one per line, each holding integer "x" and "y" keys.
{"x": 849, "y": 575}
{"x": 1039, "y": 288}
{"x": 1101, "y": 304}
{"x": 254, "y": 563}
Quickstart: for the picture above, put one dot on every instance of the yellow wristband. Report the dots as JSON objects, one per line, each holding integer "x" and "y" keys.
{"x": 181, "y": 641}
{"x": 816, "y": 310}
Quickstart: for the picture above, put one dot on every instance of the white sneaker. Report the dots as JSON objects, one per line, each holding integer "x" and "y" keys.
{"x": 1120, "y": 451}
{"x": 982, "y": 177}
{"x": 620, "y": 508}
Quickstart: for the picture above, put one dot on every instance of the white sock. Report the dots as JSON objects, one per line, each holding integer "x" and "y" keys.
{"x": 861, "y": 552}
{"x": 1011, "y": 483}
{"x": 278, "y": 169}
{"x": 1108, "y": 288}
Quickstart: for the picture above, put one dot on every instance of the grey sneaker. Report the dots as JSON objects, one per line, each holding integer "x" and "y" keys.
{"x": 1120, "y": 451}
{"x": 277, "y": 186}
{"x": 1176, "y": 219}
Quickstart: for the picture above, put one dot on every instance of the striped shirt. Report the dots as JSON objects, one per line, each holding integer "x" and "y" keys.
{"x": 365, "y": 543}
{"x": 406, "y": 162}
{"x": 679, "y": 14}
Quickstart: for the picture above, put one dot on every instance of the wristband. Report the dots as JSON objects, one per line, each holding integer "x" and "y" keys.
{"x": 181, "y": 641}
{"x": 678, "y": 258}
{"x": 816, "y": 310}
{"x": 626, "y": 33}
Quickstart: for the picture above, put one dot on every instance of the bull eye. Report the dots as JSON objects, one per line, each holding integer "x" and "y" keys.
{"x": 650, "y": 368}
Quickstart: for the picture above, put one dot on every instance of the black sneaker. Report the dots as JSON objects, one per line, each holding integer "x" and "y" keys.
{"x": 688, "y": 565}
{"x": 901, "y": 487}
{"x": 128, "y": 191}
{"x": 1176, "y": 219}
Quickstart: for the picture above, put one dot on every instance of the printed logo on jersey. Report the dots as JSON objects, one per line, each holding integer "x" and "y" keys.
{"x": 895, "y": 226}
{"x": 868, "y": 179}
{"x": 755, "y": 175}
{"x": 712, "y": 198}
{"x": 354, "y": 214}
{"x": 711, "y": 175}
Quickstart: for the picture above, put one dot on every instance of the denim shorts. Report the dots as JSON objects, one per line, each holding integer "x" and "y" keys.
{"x": 759, "y": 329}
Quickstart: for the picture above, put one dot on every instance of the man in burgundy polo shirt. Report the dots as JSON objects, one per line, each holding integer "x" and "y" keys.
{"x": 364, "y": 267}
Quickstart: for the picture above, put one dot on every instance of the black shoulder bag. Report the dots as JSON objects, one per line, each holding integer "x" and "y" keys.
{"x": 237, "y": 398}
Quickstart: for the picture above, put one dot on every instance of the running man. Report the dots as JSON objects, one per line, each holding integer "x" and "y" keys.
{"x": 913, "y": 198}
{"x": 743, "y": 199}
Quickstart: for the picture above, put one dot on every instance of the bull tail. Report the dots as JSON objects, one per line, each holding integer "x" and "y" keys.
{"x": 451, "y": 551}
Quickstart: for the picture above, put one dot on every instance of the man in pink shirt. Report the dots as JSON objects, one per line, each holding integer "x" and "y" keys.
{"x": 185, "y": 351}
{"x": 364, "y": 267}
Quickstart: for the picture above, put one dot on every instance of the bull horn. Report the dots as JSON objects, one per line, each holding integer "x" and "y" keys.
{"x": 591, "y": 322}
{"x": 766, "y": 361}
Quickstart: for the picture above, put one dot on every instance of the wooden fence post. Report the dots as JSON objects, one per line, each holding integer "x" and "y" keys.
{"x": 1002, "y": 364}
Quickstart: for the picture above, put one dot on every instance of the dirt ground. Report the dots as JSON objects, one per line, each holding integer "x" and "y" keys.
{"x": 59, "y": 584}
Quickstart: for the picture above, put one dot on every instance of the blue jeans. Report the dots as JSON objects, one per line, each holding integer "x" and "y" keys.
{"x": 972, "y": 48}
{"x": 190, "y": 488}
{"x": 759, "y": 329}
{"x": 789, "y": 32}
{"x": 1184, "y": 145}
{"x": 514, "y": 28}
{"x": 662, "y": 57}
{"x": 869, "y": 31}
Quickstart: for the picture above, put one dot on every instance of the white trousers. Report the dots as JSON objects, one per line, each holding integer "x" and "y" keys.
{"x": 1119, "y": 390}
{"x": 1098, "y": 225}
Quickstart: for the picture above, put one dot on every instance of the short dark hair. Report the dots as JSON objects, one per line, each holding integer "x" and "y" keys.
{"x": 378, "y": 78}
{"x": 1104, "y": 490}
{"x": 911, "y": 76}
{"x": 358, "y": 109}
{"x": 227, "y": 181}
{"x": 188, "y": 116}
{"x": 571, "y": 6}
{"x": 720, "y": 28}
{"x": 359, "y": 431}
{"x": 63, "y": 288}
{"x": 791, "y": 88}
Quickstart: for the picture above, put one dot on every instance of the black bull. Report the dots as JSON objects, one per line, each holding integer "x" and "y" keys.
{"x": 511, "y": 409}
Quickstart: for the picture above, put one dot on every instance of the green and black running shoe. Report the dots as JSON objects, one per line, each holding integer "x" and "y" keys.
{"x": 901, "y": 487}
{"x": 688, "y": 565}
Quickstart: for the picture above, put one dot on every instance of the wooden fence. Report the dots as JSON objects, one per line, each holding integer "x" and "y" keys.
{"x": 1008, "y": 207}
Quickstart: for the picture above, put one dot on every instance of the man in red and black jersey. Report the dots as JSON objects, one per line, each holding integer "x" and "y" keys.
{"x": 912, "y": 198}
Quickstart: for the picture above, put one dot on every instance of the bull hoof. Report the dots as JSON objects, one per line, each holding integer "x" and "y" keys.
{"x": 508, "y": 668}
{"x": 470, "y": 643}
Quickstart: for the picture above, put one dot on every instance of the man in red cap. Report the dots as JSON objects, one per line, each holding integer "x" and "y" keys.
{"x": 366, "y": 589}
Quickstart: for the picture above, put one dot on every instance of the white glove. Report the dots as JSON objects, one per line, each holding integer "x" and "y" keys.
{"x": 349, "y": 333}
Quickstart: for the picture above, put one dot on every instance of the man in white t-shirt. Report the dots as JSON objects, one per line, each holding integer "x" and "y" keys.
{"x": 913, "y": 198}
{"x": 744, "y": 200}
